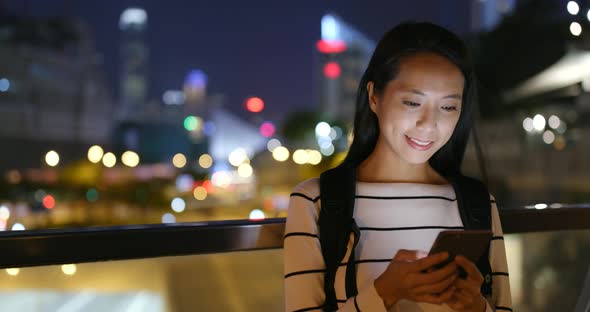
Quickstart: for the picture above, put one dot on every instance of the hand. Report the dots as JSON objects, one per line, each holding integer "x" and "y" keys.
{"x": 467, "y": 296}
{"x": 411, "y": 278}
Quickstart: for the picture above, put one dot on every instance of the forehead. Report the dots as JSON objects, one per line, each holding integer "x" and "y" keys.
{"x": 429, "y": 72}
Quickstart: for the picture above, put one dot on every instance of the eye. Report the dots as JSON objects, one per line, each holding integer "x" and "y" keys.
{"x": 410, "y": 103}
{"x": 449, "y": 108}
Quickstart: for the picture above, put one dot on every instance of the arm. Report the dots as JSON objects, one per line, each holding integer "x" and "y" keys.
{"x": 501, "y": 298}
{"x": 304, "y": 264}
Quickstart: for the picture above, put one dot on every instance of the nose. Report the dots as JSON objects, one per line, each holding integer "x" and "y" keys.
{"x": 427, "y": 119}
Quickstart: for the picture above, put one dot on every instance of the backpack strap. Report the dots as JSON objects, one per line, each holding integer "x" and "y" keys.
{"x": 473, "y": 200}
{"x": 337, "y": 194}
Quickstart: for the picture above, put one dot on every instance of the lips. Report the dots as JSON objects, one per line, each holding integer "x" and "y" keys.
{"x": 419, "y": 144}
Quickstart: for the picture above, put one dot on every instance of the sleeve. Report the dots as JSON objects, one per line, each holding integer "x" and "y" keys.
{"x": 303, "y": 261}
{"x": 501, "y": 298}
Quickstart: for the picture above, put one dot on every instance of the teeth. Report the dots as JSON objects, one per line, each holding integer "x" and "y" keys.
{"x": 420, "y": 142}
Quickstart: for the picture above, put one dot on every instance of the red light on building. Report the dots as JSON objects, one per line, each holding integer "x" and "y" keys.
{"x": 332, "y": 70}
{"x": 267, "y": 129}
{"x": 331, "y": 46}
{"x": 48, "y": 201}
{"x": 255, "y": 104}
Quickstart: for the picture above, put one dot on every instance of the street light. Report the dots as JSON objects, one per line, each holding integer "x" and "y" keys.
{"x": 573, "y": 8}
{"x": 575, "y": 28}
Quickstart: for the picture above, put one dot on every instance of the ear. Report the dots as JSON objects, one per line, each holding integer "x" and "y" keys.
{"x": 372, "y": 97}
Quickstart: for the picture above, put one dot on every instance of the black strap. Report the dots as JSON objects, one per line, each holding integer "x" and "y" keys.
{"x": 337, "y": 194}
{"x": 473, "y": 200}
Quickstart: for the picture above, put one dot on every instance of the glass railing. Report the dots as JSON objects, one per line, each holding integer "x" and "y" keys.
{"x": 238, "y": 265}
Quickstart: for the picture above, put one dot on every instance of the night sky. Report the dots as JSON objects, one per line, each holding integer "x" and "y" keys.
{"x": 262, "y": 48}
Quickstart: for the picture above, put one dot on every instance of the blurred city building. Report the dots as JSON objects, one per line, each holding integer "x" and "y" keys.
{"x": 133, "y": 78}
{"x": 53, "y": 91}
{"x": 343, "y": 53}
{"x": 487, "y": 14}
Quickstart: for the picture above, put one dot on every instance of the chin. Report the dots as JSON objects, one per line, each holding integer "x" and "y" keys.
{"x": 420, "y": 159}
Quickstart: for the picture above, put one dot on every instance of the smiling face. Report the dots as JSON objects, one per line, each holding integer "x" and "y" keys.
{"x": 419, "y": 109}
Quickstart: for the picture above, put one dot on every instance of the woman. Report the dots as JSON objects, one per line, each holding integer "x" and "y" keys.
{"x": 414, "y": 112}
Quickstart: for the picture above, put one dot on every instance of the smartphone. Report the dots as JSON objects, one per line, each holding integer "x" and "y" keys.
{"x": 470, "y": 244}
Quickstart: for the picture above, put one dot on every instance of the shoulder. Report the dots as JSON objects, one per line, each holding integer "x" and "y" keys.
{"x": 308, "y": 188}
{"x": 303, "y": 207}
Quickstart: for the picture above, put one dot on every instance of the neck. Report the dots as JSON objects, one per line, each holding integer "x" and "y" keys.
{"x": 383, "y": 166}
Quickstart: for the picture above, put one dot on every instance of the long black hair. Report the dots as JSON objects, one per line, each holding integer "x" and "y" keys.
{"x": 405, "y": 40}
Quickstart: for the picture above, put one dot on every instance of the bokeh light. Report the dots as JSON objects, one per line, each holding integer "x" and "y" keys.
{"x": 95, "y": 154}
{"x": 4, "y": 212}
{"x": 69, "y": 269}
{"x": 314, "y": 157}
{"x": 527, "y": 124}
{"x": 168, "y": 218}
{"x": 206, "y": 161}
{"x": 267, "y": 129}
{"x": 92, "y": 195}
{"x": 4, "y": 85}
{"x": 179, "y": 160}
{"x": 575, "y": 29}
{"x": 254, "y": 104}
{"x": 200, "y": 193}
{"x": 300, "y": 157}
{"x": 192, "y": 123}
{"x": 280, "y": 153}
{"x": 12, "y": 271}
{"x": 184, "y": 182}
{"x": 130, "y": 159}
{"x": 332, "y": 70}
{"x": 178, "y": 204}
{"x": 539, "y": 122}
{"x": 245, "y": 170}
{"x": 52, "y": 158}
{"x": 49, "y": 201}
{"x": 322, "y": 129}
{"x": 554, "y": 122}
{"x": 237, "y": 157}
{"x": 272, "y": 144}
{"x": 573, "y": 8}
{"x": 548, "y": 137}
{"x": 109, "y": 160}
{"x": 256, "y": 214}
{"x": 18, "y": 227}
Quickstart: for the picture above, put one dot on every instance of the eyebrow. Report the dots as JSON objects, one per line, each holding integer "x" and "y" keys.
{"x": 451, "y": 96}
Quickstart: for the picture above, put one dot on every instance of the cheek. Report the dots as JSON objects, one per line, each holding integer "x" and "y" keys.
{"x": 447, "y": 127}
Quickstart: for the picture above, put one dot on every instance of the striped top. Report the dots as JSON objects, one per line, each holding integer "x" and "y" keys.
{"x": 390, "y": 216}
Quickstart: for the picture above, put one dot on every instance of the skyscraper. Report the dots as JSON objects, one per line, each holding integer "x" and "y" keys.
{"x": 134, "y": 63}
{"x": 486, "y": 14}
{"x": 344, "y": 52}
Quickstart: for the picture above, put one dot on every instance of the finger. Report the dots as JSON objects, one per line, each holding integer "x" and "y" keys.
{"x": 434, "y": 276}
{"x": 409, "y": 255}
{"x": 427, "y": 262}
{"x": 436, "y": 287}
{"x": 437, "y": 298}
{"x": 463, "y": 297}
{"x": 468, "y": 285}
{"x": 456, "y": 305}
{"x": 470, "y": 268}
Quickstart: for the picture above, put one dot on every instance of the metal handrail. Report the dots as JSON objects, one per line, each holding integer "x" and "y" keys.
{"x": 92, "y": 244}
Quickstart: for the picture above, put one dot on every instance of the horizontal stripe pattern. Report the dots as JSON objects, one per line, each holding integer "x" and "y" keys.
{"x": 309, "y": 309}
{"x": 305, "y": 196}
{"x": 404, "y": 197}
{"x": 300, "y": 234}
{"x": 304, "y": 272}
{"x": 390, "y": 217}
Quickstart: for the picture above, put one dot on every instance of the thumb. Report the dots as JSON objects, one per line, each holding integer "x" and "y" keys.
{"x": 409, "y": 255}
